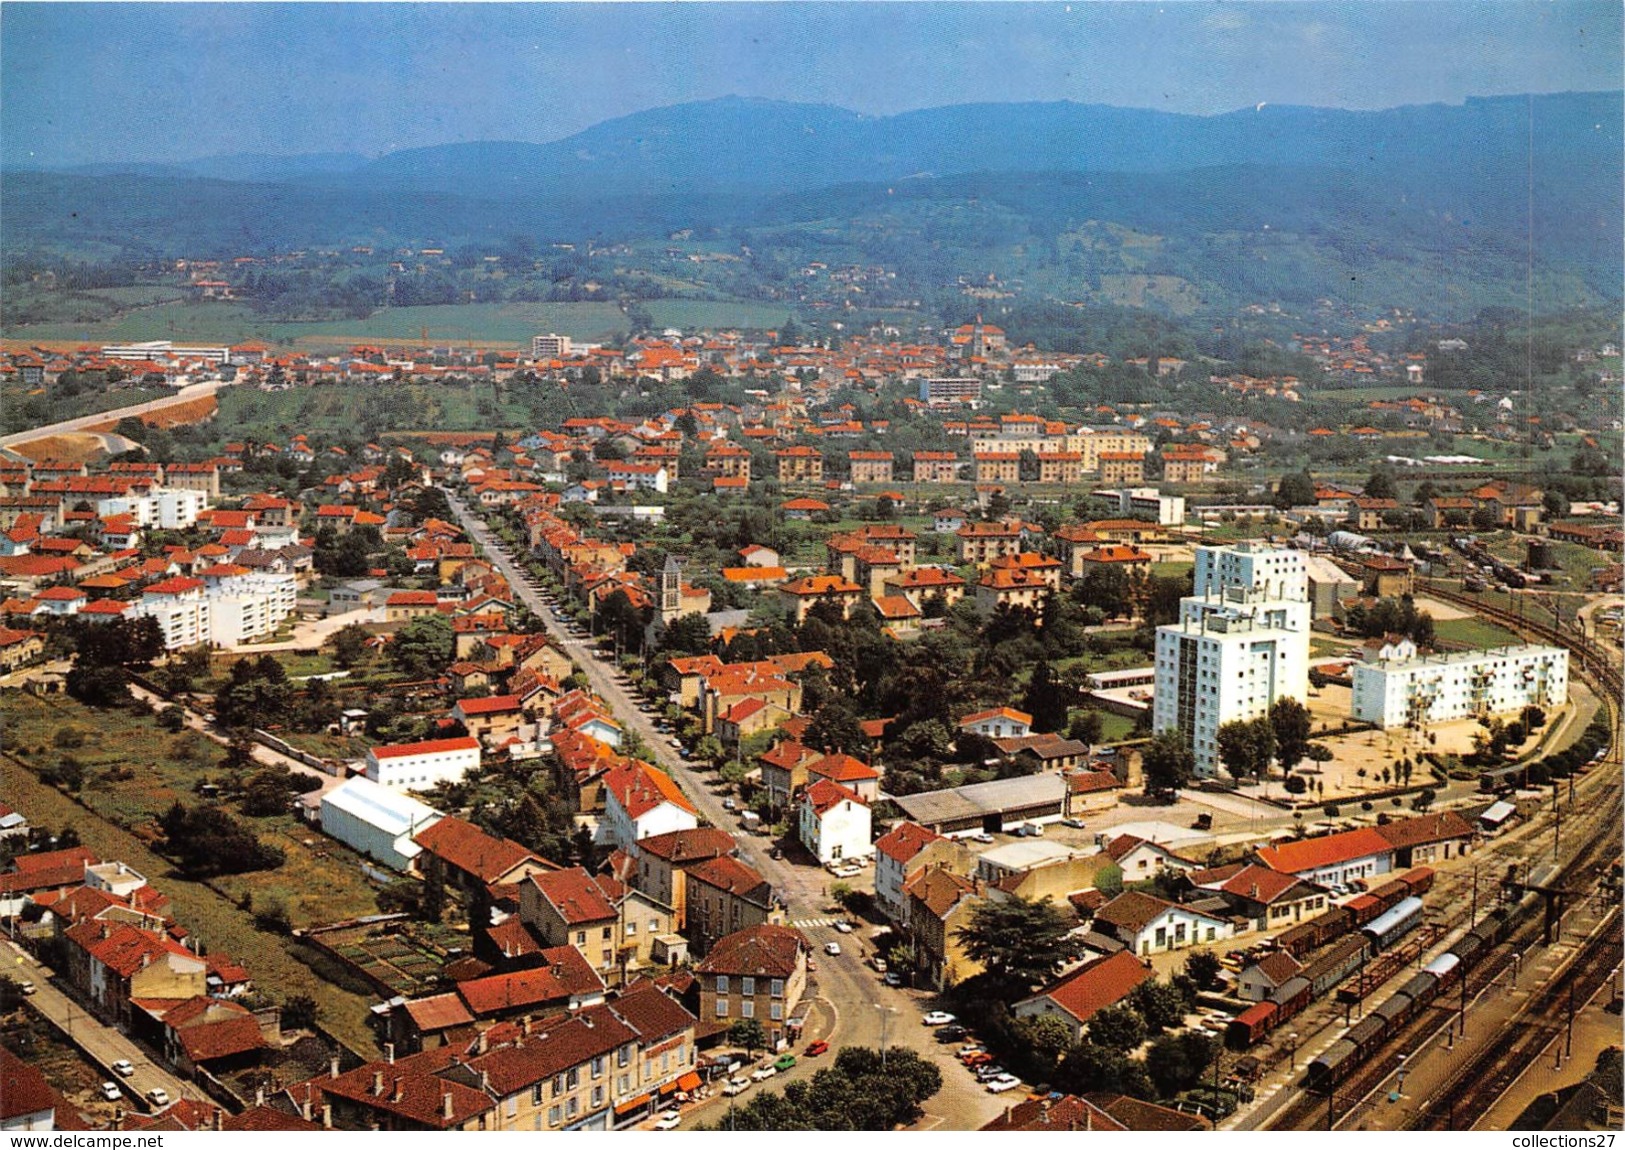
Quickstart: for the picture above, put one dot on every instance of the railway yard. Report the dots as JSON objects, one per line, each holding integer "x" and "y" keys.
{"x": 1439, "y": 1023}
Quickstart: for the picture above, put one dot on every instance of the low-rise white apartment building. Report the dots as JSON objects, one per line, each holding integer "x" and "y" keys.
{"x": 184, "y": 613}
{"x": 1460, "y": 685}
{"x": 249, "y": 605}
{"x": 168, "y": 508}
{"x": 414, "y": 766}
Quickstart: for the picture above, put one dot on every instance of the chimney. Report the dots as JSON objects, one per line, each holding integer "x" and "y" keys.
{"x": 259, "y": 1096}
{"x": 220, "y": 1117}
{"x": 327, "y": 1116}
{"x": 304, "y": 1107}
{"x": 446, "y": 1106}
{"x": 485, "y": 1080}
{"x": 1253, "y": 892}
{"x": 389, "y": 1053}
{"x": 524, "y": 1026}
{"x": 395, "y": 1093}
{"x": 377, "y": 1083}
{"x": 480, "y": 1043}
{"x": 333, "y": 1067}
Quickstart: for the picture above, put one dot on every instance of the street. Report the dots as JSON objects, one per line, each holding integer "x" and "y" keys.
{"x": 854, "y": 994}
{"x": 100, "y": 1043}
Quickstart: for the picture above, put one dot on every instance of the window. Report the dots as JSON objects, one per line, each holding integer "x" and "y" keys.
{"x": 598, "y": 1067}
{"x": 747, "y": 1009}
{"x": 623, "y": 1056}
{"x": 722, "y": 984}
{"x": 597, "y": 1095}
{"x": 536, "y": 1095}
{"x": 747, "y": 986}
{"x": 776, "y": 1011}
{"x": 607, "y": 933}
{"x": 572, "y": 1078}
{"x": 558, "y": 1086}
{"x": 510, "y": 1106}
{"x": 654, "y": 926}
{"x": 572, "y": 1108}
{"x": 631, "y": 928}
{"x": 778, "y": 988}
{"x": 722, "y": 1008}
{"x": 553, "y": 1116}
{"x": 581, "y": 938}
{"x": 624, "y": 1083}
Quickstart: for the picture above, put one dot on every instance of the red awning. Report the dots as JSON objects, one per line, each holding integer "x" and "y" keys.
{"x": 633, "y": 1104}
{"x": 689, "y": 1081}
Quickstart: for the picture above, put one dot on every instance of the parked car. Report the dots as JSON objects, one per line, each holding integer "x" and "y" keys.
{"x": 26, "y": 986}
{"x": 1075, "y": 824}
{"x": 938, "y": 1018}
{"x": 843, "y": 926}
{"x": 832, "y": 948}
{"x": 1001, "y": 1084}
{"x": 736, "y": 1086}
{"x": 784, "y": 1062}
{"x": 124, "y": 1068}
{"x": 989, "y": 1072}
{"x": 158, "y": 1096}
{"x": 111, "y": 1092}
{"x": 981, "y": 837}
{"x": 763, "y": 1072}
{"x": 892, "y": 978}
{"x": 970, "y": 1048}
{"x": 669, "y": 1120}
{"x": 729, "y": 805}
{"x": 814, "y": 1049}
{"x": 983, "y": 1058}
{"x": 951, "y": 1033}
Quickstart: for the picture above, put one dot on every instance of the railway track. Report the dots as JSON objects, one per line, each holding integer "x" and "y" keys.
{"x": 1482, "y": 1079}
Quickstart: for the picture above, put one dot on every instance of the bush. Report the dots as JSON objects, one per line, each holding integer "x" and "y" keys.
{"x": 1296, "y": 784}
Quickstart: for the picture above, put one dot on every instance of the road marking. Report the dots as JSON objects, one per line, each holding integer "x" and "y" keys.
{"x": 805, "y": 923}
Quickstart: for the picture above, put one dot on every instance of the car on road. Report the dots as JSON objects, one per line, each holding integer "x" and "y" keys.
{"x": 729, "y": 805}
{"x": 892, "y": 978}
{"x": 111, "y": 1092}
{"x": 1075, "y": 824}
{"x": 736, "y": 1086}
{"x": 124, "y": 1068}
{"x": 982, "y": 837}
{"x": 833, "y": 948}
{"x": 938, "y": 1018}
{"x": 26, "y": 986}
{"x": 668, "y": 1120}
{"x": 843, "y": 926}
{"x": 814, "y": 1049}
{"x": 783, "y": 1062}
{"x": 763, "y": 1072}
{"x": 1001, "y": 1084}
{"x": 158, "y": 1096}
{"x": 951, "y": 1033}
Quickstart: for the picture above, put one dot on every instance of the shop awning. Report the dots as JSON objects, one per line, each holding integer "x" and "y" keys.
{"x": 627, "y": 1107}
{"x": 689, "y": 1081}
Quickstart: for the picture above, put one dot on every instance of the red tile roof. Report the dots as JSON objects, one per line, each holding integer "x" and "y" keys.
{"x": 1099, "y": 984}
{"x": 465, "y": 847}
{"x": 1325, "y": 851}
{"x": 768, "y": 950}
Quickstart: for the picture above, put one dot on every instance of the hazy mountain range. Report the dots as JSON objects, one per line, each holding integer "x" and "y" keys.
{"x": 1484, "y": 175}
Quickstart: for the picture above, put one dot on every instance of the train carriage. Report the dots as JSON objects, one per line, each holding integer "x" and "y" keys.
{"x": 1391, "y": 925}
{"x": 1396, "y": 1009}
{"x": 1421, "y": 987}
{"x": 1291, "y": 996}
{"x": 1367, "y": 1033}
{"x": 1363, "y": 908}
{"x": 1446, "y": 968}
{"x": 1251, "y": 1025}
{"x": 1333, "y": 1065}
{"x": 1335, "y": 965}
{"x": 1419, "y": 880}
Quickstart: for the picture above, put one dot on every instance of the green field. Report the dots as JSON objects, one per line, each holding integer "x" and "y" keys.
{"x": 1473, "y": 633}
{"x": 479, "y": 323}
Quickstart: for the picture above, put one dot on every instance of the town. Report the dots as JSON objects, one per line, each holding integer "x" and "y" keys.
{"x": 897, "y": 713}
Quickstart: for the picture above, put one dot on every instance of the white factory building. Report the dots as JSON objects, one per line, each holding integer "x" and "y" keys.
{"x": 1241, "y": 643}
{"x": 1460, "y": 685}
{"x": 418, "y": 766}
{"x": 376, "y": 821}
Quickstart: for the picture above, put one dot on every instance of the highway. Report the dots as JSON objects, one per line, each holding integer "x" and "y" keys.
{"x": 860, "y": 1005}
{"x": 189, "y": 392}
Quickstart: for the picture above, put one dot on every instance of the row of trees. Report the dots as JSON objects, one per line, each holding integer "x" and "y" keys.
{"x": 864, "y": 1089}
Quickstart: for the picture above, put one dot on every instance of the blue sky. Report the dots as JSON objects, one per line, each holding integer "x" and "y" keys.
{"x": 123, "y": 82}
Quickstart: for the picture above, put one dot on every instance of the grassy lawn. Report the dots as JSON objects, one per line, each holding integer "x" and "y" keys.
{"x": 1473, "y": 632}
{"x": 114, "y": 816}
{"x": 1172, "y": 570}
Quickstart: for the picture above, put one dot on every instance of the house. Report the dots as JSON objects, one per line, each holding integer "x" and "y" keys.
{"x": 1141, "y": 859}
{"x": 458, "y": 852}
{"x": 853, "y": 774}
{"x": 1332, "y": 860}
{"x": 18, "y": 648}
{"x": 724, "y": 896}
{"x": 614, "y": 926}
{"x": 1148, "y": 925}
{"x": 1079, "y": 996}
{"x": 1047, "y": 752}
{"x": 406, "y": 605}
{"x": 784, "y": 771}
{"x": 759, "y": 972}
{"x": 660, "y": 864}
{"x": 834, "y": 822}
{"x": 904, "y": 851}
{"x": 641, "y": 800}
{"x": 940, "y": 903}
{"x": 1268, "y": 899}
{"x": 999, "y": 723}
{"x": 803, "y": 594}
{"x": 114, "y": 963}
{"x": 1055, "y": 1113}
{"x": 376, "y": 821}
{"x": 492, "y": 719}
{"x": 28, "y": 1101}
{"x": 1428, "y": 839}
{"x": 1264, "y": 977}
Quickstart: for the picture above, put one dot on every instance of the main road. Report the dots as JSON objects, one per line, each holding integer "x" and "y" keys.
{"x": 80, "y": 423}
{"x": 861, "y": 1010}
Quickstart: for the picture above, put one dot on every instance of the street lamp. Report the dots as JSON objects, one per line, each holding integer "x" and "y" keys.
{"x": 885, "y": 1029}
{"x": 1293, "y": 1040}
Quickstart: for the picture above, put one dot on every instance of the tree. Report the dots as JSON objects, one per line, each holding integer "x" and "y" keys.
{"x": 1109, "y": 879}
{"x": 1160, "y": 1004}
{"x": 1046, "y": 699}
{"x": 206, "y": 841}
{"x": 1380, "y": 485}
{"x": 350, "y": 645}
{"x": 1176, "y": 1062}
{"x": 688, "y": 635}
{"x": 1087, "y": 727}
{"x": 1246, "y": 746}
{"x": 1202, "y": 967}
{"x": 836, "y": 727}
{"x": 749, "y": 1033}
{"x": 1117, "y": 1028}
{"x": 423, "y": 648}
{"x": 1019, "y": 943}
{"x": 299, "y": 1012}
{"x": 1168, "y": 764}
{"x": 1289, "y": 721}
{"x": 1296, "y": 489}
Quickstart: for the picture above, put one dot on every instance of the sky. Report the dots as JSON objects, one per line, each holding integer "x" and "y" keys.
{"x": 124, "y": 82}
